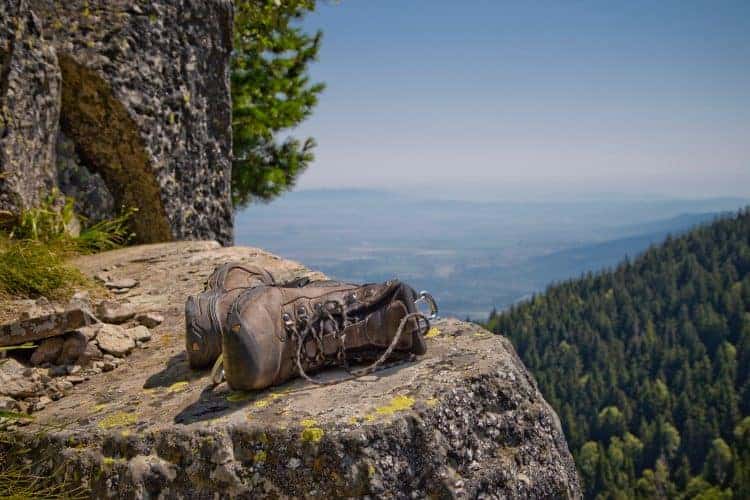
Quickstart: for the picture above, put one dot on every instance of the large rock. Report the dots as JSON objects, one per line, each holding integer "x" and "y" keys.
{"x": 462, "y": 421}
{"x": 29, "y": 107}
{"x": 141, "y": 89}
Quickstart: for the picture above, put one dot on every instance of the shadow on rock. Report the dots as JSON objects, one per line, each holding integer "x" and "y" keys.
{"x": 216, "y": 402}
{"x": 177, "y": 370}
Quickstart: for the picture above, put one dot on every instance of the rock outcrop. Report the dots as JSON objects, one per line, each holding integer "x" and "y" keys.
{"x": 465, "y": 420}
{"x": 141, "y": 91}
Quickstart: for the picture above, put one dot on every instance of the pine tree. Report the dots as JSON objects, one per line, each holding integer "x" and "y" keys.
{"x": 271, "y": 92}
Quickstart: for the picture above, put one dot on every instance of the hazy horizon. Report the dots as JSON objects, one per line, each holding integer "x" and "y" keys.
{"x": 501, "y": 100}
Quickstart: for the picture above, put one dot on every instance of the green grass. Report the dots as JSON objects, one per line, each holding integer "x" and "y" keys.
{"x": 31, "y": 268}
{"x": 35, "y": 244}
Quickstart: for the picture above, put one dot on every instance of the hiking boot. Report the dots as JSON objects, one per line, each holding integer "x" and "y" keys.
{"x": 206, "y": 312}
{"x": 273, "y": 334}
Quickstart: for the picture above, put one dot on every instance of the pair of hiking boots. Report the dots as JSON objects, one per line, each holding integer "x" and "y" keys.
{"x": 258, "y": 333}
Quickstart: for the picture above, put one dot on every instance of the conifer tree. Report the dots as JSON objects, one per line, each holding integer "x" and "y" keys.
{"x": 271, "y": 92}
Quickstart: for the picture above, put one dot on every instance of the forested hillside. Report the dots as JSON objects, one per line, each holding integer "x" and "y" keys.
{"x": 648, "y": 366}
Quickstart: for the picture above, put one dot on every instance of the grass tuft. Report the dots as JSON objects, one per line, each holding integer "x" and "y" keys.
{"x": 31, "y": 269}
{"x": 35, "y": 244}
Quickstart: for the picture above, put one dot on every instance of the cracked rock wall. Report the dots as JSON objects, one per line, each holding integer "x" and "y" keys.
{"x": 141, "y": 88}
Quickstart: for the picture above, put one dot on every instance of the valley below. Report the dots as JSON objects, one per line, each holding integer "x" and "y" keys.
{"x": 473, "y": 256}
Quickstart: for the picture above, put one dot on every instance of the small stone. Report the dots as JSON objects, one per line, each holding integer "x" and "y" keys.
{"x": 75, "y": 379}
{"x": 102, "y": 276}
{"x": 150, "y": 319}
{"x": 115, "y": 312}
{"x": 294, "y": 463}
{"x": 48, "y": 351}
{"x": 73, "y": 348}
{"x": 73, "y": 369}
{"x": 114, "y": 340}
{"x": 121, "y": 291}
{"x": 139, "y": 333}
{"x": 41, "y": 403}
{"x": 108, "y": 366}
{"x": 121, "y": 283}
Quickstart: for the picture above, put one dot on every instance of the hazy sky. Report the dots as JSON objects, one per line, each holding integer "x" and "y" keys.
{"x": 526, "y": 99}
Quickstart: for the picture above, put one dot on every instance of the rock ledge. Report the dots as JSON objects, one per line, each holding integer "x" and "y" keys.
{"x": 466, "y": 420}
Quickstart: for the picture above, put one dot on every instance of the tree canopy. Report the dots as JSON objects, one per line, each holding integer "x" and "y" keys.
{"x": 648, "y": 366}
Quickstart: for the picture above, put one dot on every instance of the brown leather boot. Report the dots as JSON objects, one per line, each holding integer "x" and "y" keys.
{"x": 206, "y": 312}
{"x": 273, "y": 334}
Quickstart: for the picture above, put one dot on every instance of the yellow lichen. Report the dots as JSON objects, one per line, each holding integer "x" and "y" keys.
{"x": 370, "y": 417}
{"x": 353, "y": 420}
{"x": 261, "y": 403}
{"x": 432, "y": 333}
{"x": 399, "y": 403}
{"x": 178, "y": 386}
{"x": 98, "y": 408}
{"x": 120, "y": 419}
{"x": 312, "y": 434}
{"x": 432, "y": 402}
{"x": 260, "y": 457}
{"x": 308, "y": 422}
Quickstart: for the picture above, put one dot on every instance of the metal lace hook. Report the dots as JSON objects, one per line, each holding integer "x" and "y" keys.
{"x": 427, "y": 298}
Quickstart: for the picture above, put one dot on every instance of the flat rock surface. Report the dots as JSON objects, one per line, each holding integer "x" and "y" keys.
{"x": 462, "y": 420}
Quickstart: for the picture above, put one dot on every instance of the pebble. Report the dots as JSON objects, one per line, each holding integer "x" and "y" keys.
{"x": 121, "y": 283}
{"x": 294, "y": 463}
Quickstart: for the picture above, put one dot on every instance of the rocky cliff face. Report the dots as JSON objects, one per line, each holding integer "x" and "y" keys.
{"x": 464, "y": 421}
{"x": 140, "y": 89}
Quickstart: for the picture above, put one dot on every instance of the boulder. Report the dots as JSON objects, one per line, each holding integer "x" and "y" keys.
{"x": 120, "y": 104}
{"x": 30, "y": 92}
{"x": 464, "y": 421}
{"x": 114, "y": 340}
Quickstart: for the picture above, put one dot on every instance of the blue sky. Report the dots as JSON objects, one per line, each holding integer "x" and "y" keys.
{"x": 533, "y": 99}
